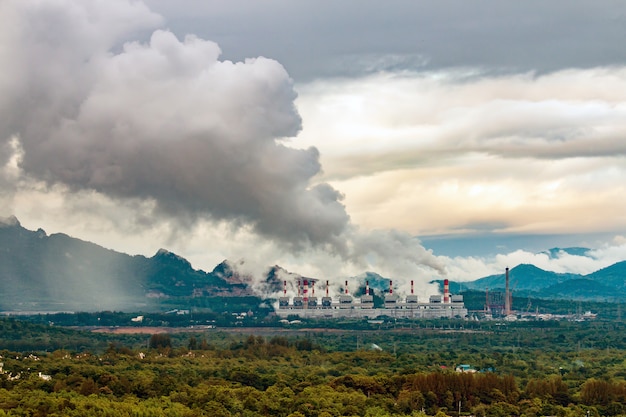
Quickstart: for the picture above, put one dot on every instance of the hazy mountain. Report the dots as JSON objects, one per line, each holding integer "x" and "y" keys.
{"x": 58, "y": 272}
{"x": 528, "y": 280}
{"x": 580, "y": 289}
{"x": 378, "y": 283}
{"x": 41, "y": 272}
{"x": 521, "y": 277}
{"x": 613, "y": 276}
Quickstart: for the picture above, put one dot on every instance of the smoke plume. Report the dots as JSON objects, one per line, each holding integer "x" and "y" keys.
{"x": 100, "y": 99}
{"x": 162, "y": 120}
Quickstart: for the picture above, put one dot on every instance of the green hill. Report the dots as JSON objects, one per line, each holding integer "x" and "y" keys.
{"x": 61, "y": 273}
{"x": 524, "y": 277}
{"x": 613, "y": 276}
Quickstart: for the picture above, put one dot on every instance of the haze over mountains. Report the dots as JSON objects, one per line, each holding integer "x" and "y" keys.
{"x": 41, "y": 272}
{"x": 529, "y": 281}
{"x": 58, "y": 272}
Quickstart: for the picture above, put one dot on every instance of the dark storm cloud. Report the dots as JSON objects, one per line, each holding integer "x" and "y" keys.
{"x": 319, "y": 39}
{"x": 163, "y": 120}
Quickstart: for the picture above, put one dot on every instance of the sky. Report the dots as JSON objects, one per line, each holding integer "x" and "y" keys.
{"x": 418, "y": 139}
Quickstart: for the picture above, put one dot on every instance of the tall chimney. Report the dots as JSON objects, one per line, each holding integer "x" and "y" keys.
{"x": 507, "y": 299}
{"x": 446, "y": 291}
{"x": 305, "y": 290}
{"x": 411, "y": 287}
{"x": 346, "y": 291}
{"x": 367, "y": 288}
{"x": 298, "y": 288}
{"x": 326, "y": 288}
{"x": 313, "y": 288}
{"x": 390, "y": 287}
{"x": 487, "y": 308}
{"x": 285, "y": 288}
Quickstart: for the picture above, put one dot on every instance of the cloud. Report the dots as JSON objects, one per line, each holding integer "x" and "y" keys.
{"x": 121, "y": 132}
{"x": 471, "y": 268}
{"x": 9, "y": 173}
{"x": 138, "y": 134}
{"x": 312, "y": 39}
{"x": 163, "y": 120}
{"x": 442, "y": 152}
{"x": 390, "y": 121}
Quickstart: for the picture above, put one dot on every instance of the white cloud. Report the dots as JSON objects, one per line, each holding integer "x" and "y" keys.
{"x": 120, "y": 132}
{"x": 141, "y": 143}
{"x": 471, "y": 268}
{"x": 164, "y": 121}
{"x": 443, "y": 152}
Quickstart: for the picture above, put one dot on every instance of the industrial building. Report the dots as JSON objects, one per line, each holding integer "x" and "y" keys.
{"x": 498, "y": 303}
{"x": 307, "y": 305}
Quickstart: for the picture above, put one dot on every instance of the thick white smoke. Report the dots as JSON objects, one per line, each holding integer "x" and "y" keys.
{"x": 163, "y": 120}
{"x": 99, "y": 99}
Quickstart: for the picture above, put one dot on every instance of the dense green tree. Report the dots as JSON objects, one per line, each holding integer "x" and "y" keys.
{"x": 160, "y": 341}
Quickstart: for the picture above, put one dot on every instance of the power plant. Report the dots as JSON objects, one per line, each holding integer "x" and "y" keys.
{"x": 498, "y": 303}
{"x": 305, "y": 304}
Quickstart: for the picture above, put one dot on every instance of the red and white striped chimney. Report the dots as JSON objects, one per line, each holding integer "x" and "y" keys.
{"x": 367, "y": 288}
{"x": 305, "y": 290}
{"x": 313, "y": 288}
{"x": 390, "y": 287}
{"x": 411, "y": 287}
{"x": 346, "y": 287}
{"x": 446, "y": 291}
{"x": 298, "y": 288}
{"x": 326, "y": 288}
{"x": 285, "y": 288}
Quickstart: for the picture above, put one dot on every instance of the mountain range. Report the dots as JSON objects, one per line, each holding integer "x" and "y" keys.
{"x": 41, "y": 272}
{"x": 529, "y": 281}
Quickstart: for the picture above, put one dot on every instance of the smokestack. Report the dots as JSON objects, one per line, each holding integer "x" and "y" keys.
{"x": 390, "y": 287}
{"x": 346, "y": 287}
{"x": 411, "y": 287}
{"x": 298, "y": 288}
{"x": 367, "y": 288}
{"x": 285, "y": 288}
{"x": 305, "y": 291}
{"x": 487, "y": 308}
{"x": 313, "y": 288}
{"x": 507, "y": 300}
{"x": 326, "y": 288}
{"x": 446, "y": 291}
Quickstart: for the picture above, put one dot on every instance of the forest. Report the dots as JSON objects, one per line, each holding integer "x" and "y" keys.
{"x": 512, "y": 369}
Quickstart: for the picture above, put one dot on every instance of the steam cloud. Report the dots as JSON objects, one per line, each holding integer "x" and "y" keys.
{"x": 164, "y": 120}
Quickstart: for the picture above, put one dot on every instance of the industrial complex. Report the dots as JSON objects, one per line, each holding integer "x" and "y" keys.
{"x": 307, "y": 305}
